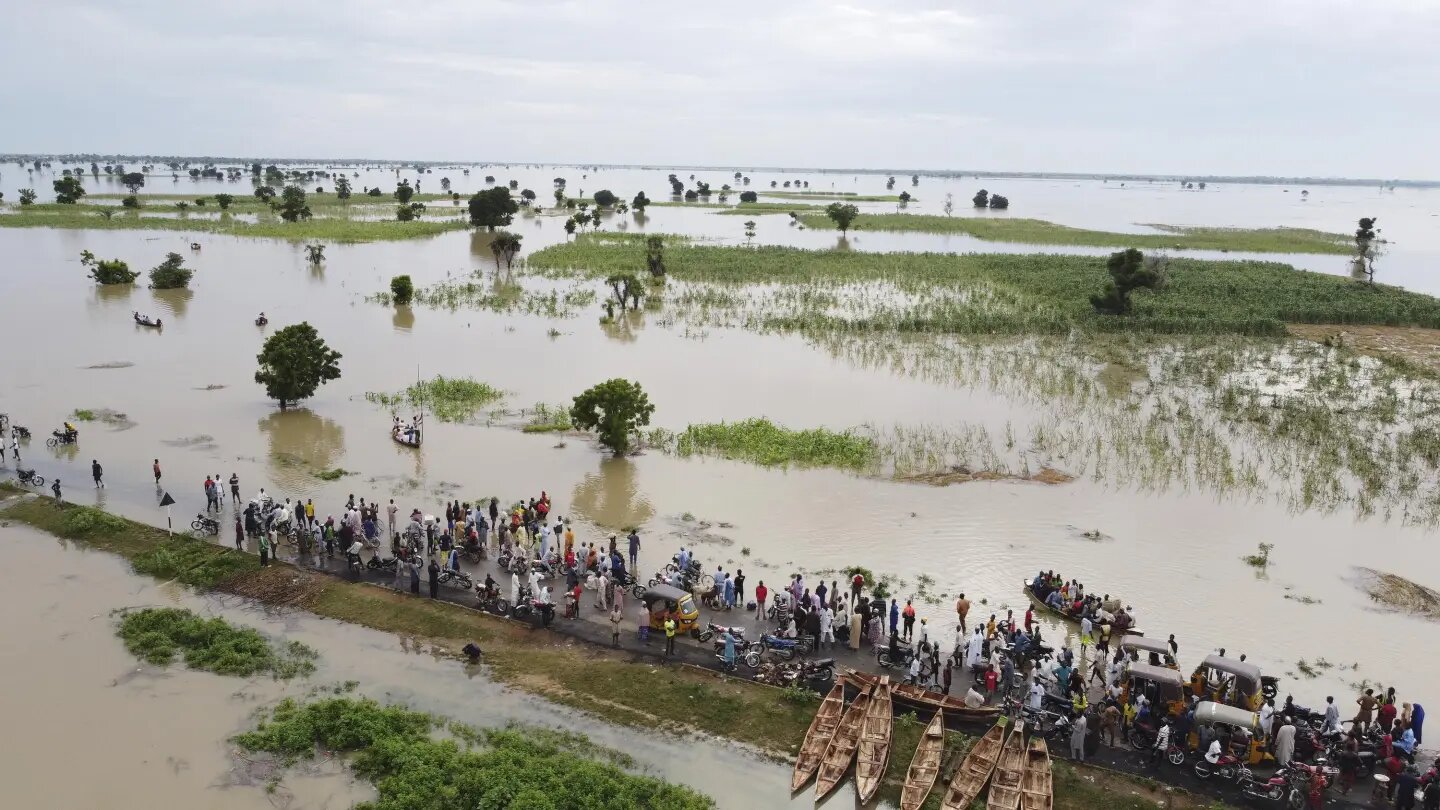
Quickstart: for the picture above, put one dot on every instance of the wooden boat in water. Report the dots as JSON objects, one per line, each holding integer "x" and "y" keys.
{"x": 925, "y": 765}
{"x": 1041, "y": 606}
{"x": 1009, "y": 770}
{"x": 836, "y": 762}
{"x": 1035, "y": 786}
{"x": 912, "y": 696}
{"x": 975, "y": 770}
{"x": 872, "y": 756}
{"x": 146, "y": 320}
{"x": 817, "y": 739}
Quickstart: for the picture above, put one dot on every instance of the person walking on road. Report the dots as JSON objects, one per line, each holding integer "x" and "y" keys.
{"x": 97, "y": 473}
{"x": 615, "y": 626}
{"x": 156, "y": 469}
{"x": 761, "y": 592}
{"x": 235, "y": 489}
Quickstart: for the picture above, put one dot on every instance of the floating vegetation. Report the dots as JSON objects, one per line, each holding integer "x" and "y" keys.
{"x": 450, "y": 399}
{"x": 332, "y": 475}
{"x": 106, "y": 416}
{"x": 548, "y": 419}
{"x": 159, "y": 635}
{"x": 111, "y": 364}
{"x": 1261, "y": 558}
{"x": 1302, "y": 599}
{"x": 760, "y": 441}
{"x": 1398, "y": 593}
{"x": 83, "y": 415}
{"x": 395, "y": 749}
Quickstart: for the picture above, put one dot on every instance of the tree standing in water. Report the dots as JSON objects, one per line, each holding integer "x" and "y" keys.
{"x": 294, "y": 363}
{"x": 614, "y": 409}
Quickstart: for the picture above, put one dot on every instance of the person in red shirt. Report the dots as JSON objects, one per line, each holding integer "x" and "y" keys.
{"x": 1029, "y": 619}
{"x": 857, "y": 584}
{"x": 760, "y": 593}
{"x": 1386, "y": 717}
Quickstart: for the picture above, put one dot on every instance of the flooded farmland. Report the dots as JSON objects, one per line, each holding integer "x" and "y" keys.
{"x": 1172, "y": 546}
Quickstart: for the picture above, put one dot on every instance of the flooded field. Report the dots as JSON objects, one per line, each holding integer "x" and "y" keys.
{"x": 1172, "y": 546}
{"x": 161, "y": 736}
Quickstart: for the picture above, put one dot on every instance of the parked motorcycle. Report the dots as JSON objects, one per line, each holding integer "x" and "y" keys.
{"x": 1227, "y": 767}
{"x": 712, "y": 630}
{"x": 29, "y": 477}
{"x": 492, "y": 602}
{"x": 450, "y": 576}
{"x": 785, "y": 648}
{"x": 203, "y": 525}
{"x": 900, "y": 658}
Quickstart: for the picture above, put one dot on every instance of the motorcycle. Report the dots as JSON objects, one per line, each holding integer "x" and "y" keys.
{"x": 785, "y": 648}
{"x": 203, "y": 525}
{"x": 1271, "y": 789}
{"x": 377, "y": 564}
{"x": 492, "y": 602}
{"x": 20, "y": 432}
{"x": 29, "y": 477}
{"x": 900, "y": 659}
{"x": 450, "y": 576}
{"x": 712, "y": 629}
{"x": 1227, "y": 767}
{"x": 58, "y": 438}
{"x": 523, "y": 606}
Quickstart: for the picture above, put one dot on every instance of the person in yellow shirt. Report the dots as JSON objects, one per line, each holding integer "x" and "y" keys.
{"x": 569, "y": 539}
{"x": 309, "y": 512}
{"x": 669, "y": 635}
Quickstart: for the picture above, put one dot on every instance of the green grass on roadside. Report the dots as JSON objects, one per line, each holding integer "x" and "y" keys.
{"x": 1040, "y": 232}
{"x": 1014, "y": 293}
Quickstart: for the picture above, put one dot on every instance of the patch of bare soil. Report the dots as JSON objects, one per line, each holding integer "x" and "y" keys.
{"x": 1408, "y": 344}
{"x": 280, "y": 585}
{"x": 962, "y": 475}
{"x": 1398, "y": 593}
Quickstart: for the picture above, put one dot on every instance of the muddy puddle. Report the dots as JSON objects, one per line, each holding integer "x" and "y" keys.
{"x": 149, "y": 737}
{"x": 1172, "y": 550}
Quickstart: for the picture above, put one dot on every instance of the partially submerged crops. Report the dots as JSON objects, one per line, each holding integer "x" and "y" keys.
{"x": 502, "y": 292}
{"x": 761, "y": 441}
{"x": 450, "y": 399}
{"x": 545, "y": 418}
{"x": 160, "y": 635}
{"x": 395, "y": 749}
{"x": 988, "y": 293}
{"x": 1040, "y": 232}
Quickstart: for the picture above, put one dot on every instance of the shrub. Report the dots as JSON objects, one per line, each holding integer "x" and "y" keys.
{"x": 131, "y": 201}
{"x": 402, "y": 290}
{"x": 171, "y": 274}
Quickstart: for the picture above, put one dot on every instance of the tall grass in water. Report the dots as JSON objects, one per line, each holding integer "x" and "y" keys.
{"x": 449, "y": 399}
{"x": 159, "y": 635}
{"x": 761, "y": 441}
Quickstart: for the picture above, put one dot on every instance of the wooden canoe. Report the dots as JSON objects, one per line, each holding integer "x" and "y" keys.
{"x": 1075, "y": 620}
{"x": 975, "y": 770}
{"x": 841, "y": 750}
{"x": 913, "y": 696}
{"x": 1009, "y": 770}
{"x": 817, "y": 739}
{"x": 872, "y": 757}
{"x": 925, "y": 765}
{"x": 1035, "y": 788}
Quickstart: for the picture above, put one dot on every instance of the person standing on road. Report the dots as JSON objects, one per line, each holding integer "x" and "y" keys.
{"x": 760, "y": 593}
{"x": 265, "y": 540}
{"x": 634, "y": 538}
{"x": 909, "y": 614}
{"x": 615, "y": 626}
{"x": 155, "y": 468}
{"x": 239, "y": 532}
{"x": 894, "y": 617}
{"x": 97, "y": 473}
{"x": 55, "y": 488}
{"x": 739, "y": 587}
{"x": 434, "y": 579}
{"x": 234, "y": 489}
{"x": 414, "y": 567}
{"x": 1077, "y": 739}
{"x": 669, "y": 635}
{"x": 827, "y": 627}
{"x": 962, "y": 609}
{"x": 644, "y": 629}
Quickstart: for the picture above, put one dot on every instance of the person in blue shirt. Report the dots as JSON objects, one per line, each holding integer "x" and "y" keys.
{"x": 894, "y": 617}
{"x": 1406, "y": 742}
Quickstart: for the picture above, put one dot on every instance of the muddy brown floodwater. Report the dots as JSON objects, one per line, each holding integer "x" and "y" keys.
{"x": 189, "y": 399}
{"x": 91, "y": 726}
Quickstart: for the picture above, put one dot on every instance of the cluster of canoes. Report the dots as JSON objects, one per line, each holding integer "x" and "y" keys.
{"x": 860, "y": 735}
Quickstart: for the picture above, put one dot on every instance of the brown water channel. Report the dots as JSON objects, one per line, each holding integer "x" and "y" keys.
{"x": 76, "y": 702}
{"x": 1174, "y": 555}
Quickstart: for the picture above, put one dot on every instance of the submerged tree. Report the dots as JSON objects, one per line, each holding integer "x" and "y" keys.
{"x": 605, "y": 198}
{"x": 402, "y": 290}
{"x": 409, "y": 211}
{"x": 640, "y": 202}
{"x": 505, "y": 245}
{"x": 655, "y": 256}
{"x": 265, "y": 193}
{"x": 949, "y": 204}
{"x": 842, "y": 214}
{"x": 68, "y": 190}
{"x": 292, "y": 207}
{"x": 315, "y": 253}
{"x": 171, "y": 274}
{"x": 981, "y": 199}
{"x": 27, "y": 196}
{"x": 136, "y": 181}
{"x": 614, "y": 409}
{"x": 107, "y": 271}
{"x": 997, "y": 201}
{"x": 627, "y": 287}
{"x": 748, "y": 197}
{"x": 1365, "y": 250}
{"x": 294, "y": 363}
{"x": 1128, "y": 272}
{"x": 492, "y": 208}
{"x": 342, "y": 187}
{"x": 224, "y": 200}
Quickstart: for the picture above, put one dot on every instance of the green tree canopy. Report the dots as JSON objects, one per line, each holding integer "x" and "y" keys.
{"x": 505, "y": 245}
{"x": 294, "y": 363}
{"x": 68, "y": 190}
{"x": 107, "y": 271}
{"x": 27, "y": 196}
{"x": 292, "y": 207}
{"x": 605, "y": 198}
{"x": 640, "y": 201}
{"x": 842, "y": 214}
{"x": 1128, "y": 272}
{"x": 402, "y": 290}
{"x": 171, "y": 274}
{"x": 404, "y": 192}
{"x": 748, "y": 197}
{"x": 492, "y": 208}
{"x": 342, "y": 187}
{"x": 614, "y": 409}
{"x": 265, "y": 193}
{"x": 136, "y": 181}
{"x": 224, "y": 200}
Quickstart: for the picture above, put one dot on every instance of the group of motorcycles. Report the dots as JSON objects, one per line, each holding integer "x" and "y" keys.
{"x": 774, "y": 659}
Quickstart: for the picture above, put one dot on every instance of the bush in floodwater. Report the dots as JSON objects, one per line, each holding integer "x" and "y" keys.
{"x": 1260, "y": 559}
{"x": 107, "y": 271}
{"x": 402, "y": 290}
{"x": 500, "y": 768}
{"x": 171, "y": 274}
{"x": 1128, "y": 272}
{"x": 159, "y": 635}
{"x": 761, "y": 441}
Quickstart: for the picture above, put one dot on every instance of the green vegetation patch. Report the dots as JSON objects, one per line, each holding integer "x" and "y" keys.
{"x": 846, "y": 196}
{"x": 762, "y": 208}
{"x": 1004, "y": 293}
{"x": 450, "y": 399}
{"x": 486, "y": 768}
{"x": 548, "y": 419}
{"x": 1040, "y": 232}
{"x": 158, "y": 635}
{"x": 761, "y": 441}
{"x": 319, "y": 228}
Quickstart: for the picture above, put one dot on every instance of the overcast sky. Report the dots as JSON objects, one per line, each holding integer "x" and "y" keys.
{"x": 1282, "y": 87}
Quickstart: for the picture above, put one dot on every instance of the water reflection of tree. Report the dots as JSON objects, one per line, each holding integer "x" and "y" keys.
{"x": 301, "y": 441}
{"x": 611, "y": 497}
{"x": 174, "y": 301}
{"x": 625, "y": 326}
{"x": 480, "y": 240}
{"x": 403, "y": 318}
{"x": 842, "y": 242}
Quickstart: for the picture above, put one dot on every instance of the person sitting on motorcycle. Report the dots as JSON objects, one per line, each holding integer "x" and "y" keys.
{"x": 1212, "y": 756}
{"x": 492, "y": 588}
{"x": 70, "y": 432}
{"x": 352, "y": 554}
{"x": 1162, "y": 741}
